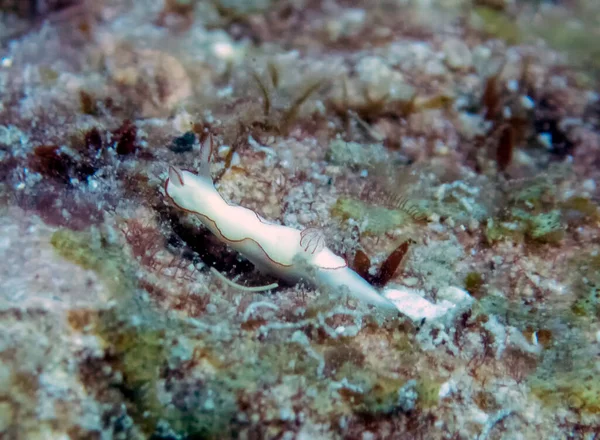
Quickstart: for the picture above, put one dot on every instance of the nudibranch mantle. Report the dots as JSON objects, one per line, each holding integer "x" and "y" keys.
{"x": 282, "y": 251}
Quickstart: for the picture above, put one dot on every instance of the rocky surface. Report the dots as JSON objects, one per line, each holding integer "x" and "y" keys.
{"x": 449, "y": 150}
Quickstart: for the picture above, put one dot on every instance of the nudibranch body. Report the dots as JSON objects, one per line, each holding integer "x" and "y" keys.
{"x": 282, "y": 251}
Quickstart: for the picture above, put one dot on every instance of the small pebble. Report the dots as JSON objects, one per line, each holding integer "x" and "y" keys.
{"x": 589, "y": 185}
{"x": 545, "y": 139}
{"x": 527, "y": 103}
{"x": 458, "y": 55}
{"x": 410, "y": 282}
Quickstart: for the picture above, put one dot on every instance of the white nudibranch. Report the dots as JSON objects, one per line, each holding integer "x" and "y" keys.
{"x": 282, "y": 251}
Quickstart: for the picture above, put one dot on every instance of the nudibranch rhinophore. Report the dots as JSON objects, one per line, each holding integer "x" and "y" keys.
{"x": 287, "y": 253}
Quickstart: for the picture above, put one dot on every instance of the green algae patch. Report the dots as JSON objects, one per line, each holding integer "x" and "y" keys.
{"x": 156, "y": 357}
{"x": 588, "y": 305}
{"x": 382, "y": 398}
{"x": 356, "y": 155}
{"x": 586, "y": 285}
{"x": 374, "y": 220}
{"x": 540, "y": 228}
{"x": 497, "y": 24}
{"x": 285, "y": 358}
{"x": 428, "y": 390}
{"x": 519, "y": 224}
{"x": 533, "y": 213}
{"x": 473, "y": 283}
{"x": 142, "y": 345}
{"x": 207, "y": 407}
{"x": 545, "y": 227}
{"x": 77, "y": 248}
{"x": 378, "y": 395}
{"x": 579, "y": 388}
{"x": 517, "y": 314}
{"x": 92, "y": 251}
{"x": 578, "y": 42}
{"x": 497, "y": 230}
{"x": 583, "y": 207}
{"x": 139, "y": 355}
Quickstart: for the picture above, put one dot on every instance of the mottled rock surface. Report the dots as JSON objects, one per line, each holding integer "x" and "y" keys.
{"x": 449, "y": 150}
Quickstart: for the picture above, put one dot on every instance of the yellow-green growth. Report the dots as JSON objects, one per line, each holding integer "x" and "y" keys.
{"x": 515, "y": 312}
{"x": 138, "y": 340}
{"x": 582, "y": 205}
{"x": 356, "y": 155}
{"x": 141, "y": 353}
{"x": 543, "y": 227}
{"x": 586, "y": 284}
{"x": 546, "y": 227}
{"x": 579, "y": 43}
{"x": 428, "y": 390}
{"x": 91, "y": 251}
{"x": 589, "y": 305}
{"x": 381, "y": 397}
{"x": 583, "y": 271}
{"x": 497, "y": 230}
{"x": 374, "y": 220}
{"x": 580, "y": 389}
{"x": 498, "y": 24}
{"x": 473, "y": 283}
